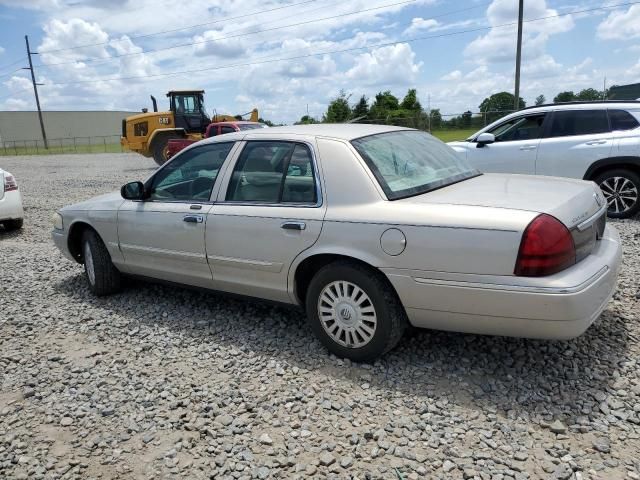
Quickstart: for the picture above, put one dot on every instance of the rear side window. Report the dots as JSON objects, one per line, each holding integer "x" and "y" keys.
{"x": 273, "y": 172}
{"x": 622, "y": 120}
{"x": 226, "y": 129}
{"x": 579, "y": 122}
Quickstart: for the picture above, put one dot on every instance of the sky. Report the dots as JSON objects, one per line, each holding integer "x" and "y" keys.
{"x": 290, "y": 57}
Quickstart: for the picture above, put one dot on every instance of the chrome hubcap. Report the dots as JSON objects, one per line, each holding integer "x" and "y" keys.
{"x": 347, "y": 314}
{"x": 88, "y": 264}
{"x": 620, "y": 192}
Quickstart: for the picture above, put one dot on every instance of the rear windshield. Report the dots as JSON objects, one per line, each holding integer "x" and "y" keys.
{"x": 248, "y": 126}
{"x": 410, "y": 162}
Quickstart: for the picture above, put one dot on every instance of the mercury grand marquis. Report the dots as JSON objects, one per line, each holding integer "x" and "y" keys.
{"x": 368, "y": 228}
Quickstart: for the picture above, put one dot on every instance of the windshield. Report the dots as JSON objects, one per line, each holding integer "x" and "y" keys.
{"x": 410, "y": 162}
{"x": 249, "y": 126}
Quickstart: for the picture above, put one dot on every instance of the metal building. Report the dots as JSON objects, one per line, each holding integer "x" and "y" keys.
{"x": 16, "y": 127}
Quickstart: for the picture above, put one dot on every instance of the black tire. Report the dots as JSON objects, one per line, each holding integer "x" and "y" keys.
{"x": 105, "y": 279}
{"x": 15, "y": 224}
{"x": 607, "y": 179}
{"x": 159, "y": 147}
{"x": 391, "y": 317}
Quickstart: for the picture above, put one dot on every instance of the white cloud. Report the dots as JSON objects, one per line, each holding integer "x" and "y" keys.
{"x": 60, "y": 35}
{"x": 419, "y": 24}
{"x": 621, "y": 25}
{"x": 207, "y": 44}
{"x": 391, "y": 65}
{"x": 455, "y": 75}
{"x": 499, "y": 44}
{"x": 1, "y": 50}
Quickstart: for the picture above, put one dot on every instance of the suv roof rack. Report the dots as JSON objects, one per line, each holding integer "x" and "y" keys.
{"x": 580, "y": 102}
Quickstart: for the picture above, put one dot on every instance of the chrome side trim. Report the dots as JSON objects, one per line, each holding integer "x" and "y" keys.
{"x": 161, "y": 252}
{"x": 245, "y": 263}
{"x": 517, "y": 288}
{"x": 582, "y": 226}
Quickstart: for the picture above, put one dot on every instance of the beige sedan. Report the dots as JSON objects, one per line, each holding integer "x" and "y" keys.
{"x": 368, "y": 228}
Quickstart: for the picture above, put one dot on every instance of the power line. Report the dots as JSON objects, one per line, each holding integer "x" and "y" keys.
{"x": 189, "y": 27}
{"x": 101, "y": 61}
{"x": 344, "y": 50}
{"x": 11, "y": 73}
{"x": 12, "y": 64}
{"x": 297, "y": 24}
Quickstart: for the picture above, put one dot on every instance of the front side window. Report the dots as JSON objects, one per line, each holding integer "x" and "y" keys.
{"x": 273, "y": 172}
{"x": 187, "y": 104}
{"x": 190, "y": 176}
{"x": 568, "y": 123}
{"x": 622, "y": 120}
{"x": 407, "y": 163}
{"x": 520, "y": 128}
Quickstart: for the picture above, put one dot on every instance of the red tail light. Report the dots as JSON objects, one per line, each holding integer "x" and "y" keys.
{"x": 546, "y": 248}
{"x": 10, "y": 183}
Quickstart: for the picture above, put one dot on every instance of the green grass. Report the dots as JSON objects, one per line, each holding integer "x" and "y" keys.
{"x": 452, "y": 135}
{"x": 58, "y": 149}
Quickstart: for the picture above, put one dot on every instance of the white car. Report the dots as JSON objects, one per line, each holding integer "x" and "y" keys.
{"x": 598, "y": 141}
{"x": 11, "y": 212}
{"x": 367, "y": 227}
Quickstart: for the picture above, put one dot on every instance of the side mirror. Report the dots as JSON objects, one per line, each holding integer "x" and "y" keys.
{"x": 133, "y": 191}
{"x": 485, "y": 139}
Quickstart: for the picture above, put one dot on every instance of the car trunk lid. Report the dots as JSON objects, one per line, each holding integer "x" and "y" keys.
{"x": 578, "y": 204}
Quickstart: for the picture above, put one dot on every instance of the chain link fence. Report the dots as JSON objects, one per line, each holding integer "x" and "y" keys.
{"x": 99, "y": 144}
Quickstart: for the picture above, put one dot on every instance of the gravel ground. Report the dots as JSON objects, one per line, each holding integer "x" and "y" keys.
{"x": 162, "y": 382}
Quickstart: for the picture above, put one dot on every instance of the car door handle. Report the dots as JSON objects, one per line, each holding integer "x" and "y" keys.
{"x": 596, "y": 142}
{"x": 528, "y": 147}
{"x": 192, "y": 218}
{"x": 294, "y": 225}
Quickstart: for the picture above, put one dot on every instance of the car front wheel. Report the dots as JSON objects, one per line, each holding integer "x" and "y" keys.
{"x": 354, "y": 311}
{"x": 102, "y": 276}
{"x": 621, "y": 189}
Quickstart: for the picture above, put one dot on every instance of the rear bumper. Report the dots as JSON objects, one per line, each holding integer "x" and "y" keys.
{"x": 11, "y": 206}
{"x": 557, "y": 311}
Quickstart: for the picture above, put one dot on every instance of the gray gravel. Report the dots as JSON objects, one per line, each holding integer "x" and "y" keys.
{"x": 161, "y": 382}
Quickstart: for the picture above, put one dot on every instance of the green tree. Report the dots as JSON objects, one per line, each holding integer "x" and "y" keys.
{"x": 436, "y": 119}
{"x": 466, "y": 119}
{"x": 266, "y": 122}
{"x": 361, "y": 109}
{"x": 589, "y": 95}
{"x": 306, "y": 120}
{"x": 567, "y": 96}
{"x": 383, "y": 106}
{"x": 540, "y": 99}
{"x": 498, "y": 105}
{"x": 410, "y": 101}
{"x": 339, "y": 110}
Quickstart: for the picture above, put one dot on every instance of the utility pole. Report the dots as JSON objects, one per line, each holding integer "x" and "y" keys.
{"x": 429, "y": 111}
{"x": 516, "y": 105}
{"x": 35, "y": 90}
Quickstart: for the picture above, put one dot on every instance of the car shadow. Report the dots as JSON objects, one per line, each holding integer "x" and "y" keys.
{"x": 6, "y": 234}
{"x": 510, "y": 376}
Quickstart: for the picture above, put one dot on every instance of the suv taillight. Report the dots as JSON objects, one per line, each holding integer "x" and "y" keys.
{"x": 546, "y": 248}
{"x": 10, "y": 183}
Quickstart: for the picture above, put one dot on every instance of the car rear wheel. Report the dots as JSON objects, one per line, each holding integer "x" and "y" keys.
{"x": 354, "y": 311}
{"x": 621, "y": 188}
{"x": 102, "y": 276}
{"x": 14, "y": 224}
{"x": 160, "y": 145}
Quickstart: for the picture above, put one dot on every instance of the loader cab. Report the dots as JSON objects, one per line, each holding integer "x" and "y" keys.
{"x": 188, "y": 110}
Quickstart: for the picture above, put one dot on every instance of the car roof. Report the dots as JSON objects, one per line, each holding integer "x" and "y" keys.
{"x": 236, "y": 122}
{"x": 340, "y": 131}
{"x": 617, "y": 104}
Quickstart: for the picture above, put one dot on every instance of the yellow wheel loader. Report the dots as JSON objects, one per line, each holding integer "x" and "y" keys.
{"x": 149, "y": 132}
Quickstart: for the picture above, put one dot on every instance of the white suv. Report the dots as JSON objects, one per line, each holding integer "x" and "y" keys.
{"x": 597, "y": 141}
